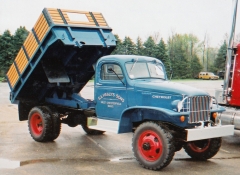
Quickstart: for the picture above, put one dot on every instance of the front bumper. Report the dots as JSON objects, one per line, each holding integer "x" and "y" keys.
{"x": 209, "y": 132}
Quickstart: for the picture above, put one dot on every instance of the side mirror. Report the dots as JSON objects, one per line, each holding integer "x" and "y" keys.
{"x": 110, "y": 69}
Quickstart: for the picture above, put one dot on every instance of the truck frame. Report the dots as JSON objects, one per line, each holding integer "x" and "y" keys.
{"x": 131, "y": 93}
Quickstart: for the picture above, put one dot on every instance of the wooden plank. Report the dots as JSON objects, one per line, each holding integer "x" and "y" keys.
{"x": 21, "y": 60}
{"x": 12, "y": 75}
{"x": 73, "y": 11}
{"x": 43, "y": 32}
{"x": 81, "y": 23}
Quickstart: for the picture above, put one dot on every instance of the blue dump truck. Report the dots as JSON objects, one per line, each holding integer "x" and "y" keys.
{"x": 65, "y": 49}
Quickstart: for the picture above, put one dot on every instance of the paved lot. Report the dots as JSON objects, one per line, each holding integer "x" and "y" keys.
{"x": 74, "y": 152}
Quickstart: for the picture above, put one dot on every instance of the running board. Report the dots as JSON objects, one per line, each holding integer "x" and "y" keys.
{"x": 102, "y": 124}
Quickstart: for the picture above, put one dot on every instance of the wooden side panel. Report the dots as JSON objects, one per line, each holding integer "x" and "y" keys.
{"x": 12, "y": 75}
{"x": 30, "y": 44}
{"x": 21, "y": 60}
{"x": 56, "y": 18}
{"x": 41, "y": 27}
{"x": 100, "y": 19}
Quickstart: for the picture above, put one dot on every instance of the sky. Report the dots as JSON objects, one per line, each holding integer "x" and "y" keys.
{"x": 134, "y": 18}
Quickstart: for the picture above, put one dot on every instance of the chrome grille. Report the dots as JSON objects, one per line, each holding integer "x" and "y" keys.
{"x": 199, "y": 108}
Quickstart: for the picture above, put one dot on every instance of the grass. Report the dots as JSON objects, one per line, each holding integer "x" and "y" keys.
{"x": 2, "y": 79}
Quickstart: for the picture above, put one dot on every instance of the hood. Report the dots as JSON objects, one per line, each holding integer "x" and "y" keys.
{"x": 168, "y": 87}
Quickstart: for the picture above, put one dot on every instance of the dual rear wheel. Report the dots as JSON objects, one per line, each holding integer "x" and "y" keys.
{"x": 44, "y": 124}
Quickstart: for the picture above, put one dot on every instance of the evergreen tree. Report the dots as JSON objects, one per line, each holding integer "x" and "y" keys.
{"x": 19, "y": 37}
{"x": 149, "y": 47}
{"x": 129, "y": 46}
{"x": 119, "y": 47}
{"x": 161, "y": 54}
{"x": 177, "y": 55}
{"x": 196, "y": 67}
{"x": 7, "y": 53}
{"x": 219, "y": 63}
{"x": 139, "y": 46}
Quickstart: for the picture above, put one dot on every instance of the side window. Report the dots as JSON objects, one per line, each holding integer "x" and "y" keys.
{"x": 108, "y": 74}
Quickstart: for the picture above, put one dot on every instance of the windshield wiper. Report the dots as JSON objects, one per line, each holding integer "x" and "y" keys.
{"x": 110, "y": 69}
{"x": 133, "y": 66}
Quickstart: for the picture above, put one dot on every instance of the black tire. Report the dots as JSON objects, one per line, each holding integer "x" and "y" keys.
{"x": 56, "y": 123}
{"x": 203, "y": 149}
{"x": 88, "y": 130}
{"x": 40, "y": 124}
{"x": 153, "y": 146}
{"x": 178, "y": 145}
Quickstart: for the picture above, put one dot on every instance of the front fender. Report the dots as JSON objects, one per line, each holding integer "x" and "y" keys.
{"x": 141, "y": 113}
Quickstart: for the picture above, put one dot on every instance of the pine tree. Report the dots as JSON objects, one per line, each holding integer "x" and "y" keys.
{"x": 129, "y": 46}
{"x": 19, "y": 37}
{"x": 139, "y": 46}
{"x": 149, "y": 47}
{"x": 7, "y": 53}
{"x": 119, "y": 47}
{"x": 161, "y": 54}
{"x": 219, "y": 63}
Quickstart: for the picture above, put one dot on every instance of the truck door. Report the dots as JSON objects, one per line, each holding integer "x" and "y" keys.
{"x": 110, "y": 91}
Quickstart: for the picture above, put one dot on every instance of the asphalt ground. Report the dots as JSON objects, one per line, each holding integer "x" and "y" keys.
{"x": 74, "y": 152}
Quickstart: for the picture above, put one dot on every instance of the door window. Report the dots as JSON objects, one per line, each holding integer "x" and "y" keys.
{"x": 111, "y": 72}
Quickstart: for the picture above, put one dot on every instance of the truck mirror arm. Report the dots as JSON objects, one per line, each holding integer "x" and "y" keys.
{"x": 111, "y": 70}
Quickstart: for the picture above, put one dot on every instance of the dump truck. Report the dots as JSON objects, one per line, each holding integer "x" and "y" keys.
{"x": 131, "y": 93}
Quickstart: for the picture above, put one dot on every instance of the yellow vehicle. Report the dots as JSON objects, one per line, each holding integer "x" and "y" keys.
{"x": 208, "y": 76}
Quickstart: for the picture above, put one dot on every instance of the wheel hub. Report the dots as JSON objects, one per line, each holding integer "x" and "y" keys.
{"x": 150, "y": 145}
{"x": 146, "y": 146}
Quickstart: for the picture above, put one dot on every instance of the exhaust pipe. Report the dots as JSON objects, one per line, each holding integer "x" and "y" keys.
{"x": 230, "y": 117}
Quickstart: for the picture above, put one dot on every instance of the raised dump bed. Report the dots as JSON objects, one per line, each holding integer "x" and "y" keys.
{"x": 58, "y": 55}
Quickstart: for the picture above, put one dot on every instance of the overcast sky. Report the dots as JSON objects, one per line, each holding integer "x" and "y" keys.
{"x": 134, "y": 18}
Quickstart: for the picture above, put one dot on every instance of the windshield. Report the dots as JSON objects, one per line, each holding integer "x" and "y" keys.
{"x": 145, "y": 70}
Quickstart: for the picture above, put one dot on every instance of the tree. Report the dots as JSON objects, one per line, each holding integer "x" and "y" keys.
{"x": 139, "y": 47}
{"x": 196, "y": 67}
{"x": 10, "y": 46}
{"x": 19, "y": 37}
{"x": 7, "y": 53}
{"x": 161, "y": 54}
{"x": 119, "y": 47}
{"x": 129, "y": 46}
{"x": 149, "y": 47}
{"x": 219, "y": 63}
{"x": 178, "y": 57}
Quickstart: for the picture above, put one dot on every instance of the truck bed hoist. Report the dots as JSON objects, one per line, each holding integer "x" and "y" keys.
{"x": 229, "y": 94}
{"x": 131, "y": 92}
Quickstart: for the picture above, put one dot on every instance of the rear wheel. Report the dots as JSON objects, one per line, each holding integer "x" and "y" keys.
{"x": 40, "y": 124}
{"x": 56, "y": 123}
{"x": 153, "y": 146}
{"x": 203, "y": 149}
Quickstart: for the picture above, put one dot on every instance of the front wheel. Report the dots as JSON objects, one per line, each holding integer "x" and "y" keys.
{"x": 203, "y": 149}
{"x": 153, "y": 146}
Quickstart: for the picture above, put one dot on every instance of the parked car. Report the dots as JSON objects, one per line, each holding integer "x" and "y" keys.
{"x": 221, "y": 74}
{"x": 208, "y": 76}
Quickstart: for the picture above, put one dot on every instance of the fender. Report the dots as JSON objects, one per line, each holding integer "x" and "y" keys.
{"x": 141, "y": 113}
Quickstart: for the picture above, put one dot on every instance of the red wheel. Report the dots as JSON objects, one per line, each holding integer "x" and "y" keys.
{"x": 36, "y": 123}
{"x": 203, "y": 149}
{"x": 153, "y": 146}
{"x": 200, "y": 145}
{"x": 150, "y": 145}
{"x": 40, "y": 124}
